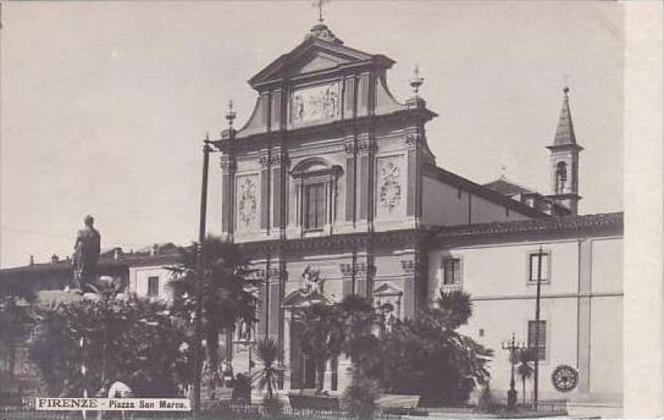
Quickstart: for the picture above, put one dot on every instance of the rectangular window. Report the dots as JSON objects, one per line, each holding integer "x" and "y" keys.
{"x": 451, "y": 271}
{"x": 539, "y": 266}
{"x": 541, "y": 339}
{"x": 315, "y": 207}
{"x": 153, "y": 286}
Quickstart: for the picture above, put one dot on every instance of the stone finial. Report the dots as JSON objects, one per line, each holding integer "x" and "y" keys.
{"x": 230, "y": 115}
{"x": 416, "y": 81}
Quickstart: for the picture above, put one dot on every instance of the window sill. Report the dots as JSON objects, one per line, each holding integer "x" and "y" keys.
{"x": 450, "y": 287}
{"x": 534, "y": 283}
{"x": 313, "y": 230}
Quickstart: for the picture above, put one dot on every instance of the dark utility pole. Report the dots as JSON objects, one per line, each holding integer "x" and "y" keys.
{"x": 538, "y": 297}
{"x": 201, "y": 273}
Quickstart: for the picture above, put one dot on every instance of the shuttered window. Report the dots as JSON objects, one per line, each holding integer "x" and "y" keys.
{"x": 535, "y": 271}
{"x": 451, "y": 271}
{"x": 541, "y": 339}
{"x": 314, "y": 206}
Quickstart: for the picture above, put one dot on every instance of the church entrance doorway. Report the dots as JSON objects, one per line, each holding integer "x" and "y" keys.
{"x": 303, "y": 368}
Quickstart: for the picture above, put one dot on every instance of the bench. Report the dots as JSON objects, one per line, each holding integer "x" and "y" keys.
{"x": 397, "y": 400}
{"x": 313, "y": 402}
{"x": 398, "y": 404}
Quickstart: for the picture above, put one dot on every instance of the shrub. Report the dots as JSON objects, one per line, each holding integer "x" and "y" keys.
{"x": 487, "y": 402}
{"x": 360, "y": 396}
{"x": 273, "y": 406}
{"x": 241, "y": 389}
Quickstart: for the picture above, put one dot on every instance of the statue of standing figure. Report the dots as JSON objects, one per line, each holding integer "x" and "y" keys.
{"x": 86, "y": 254}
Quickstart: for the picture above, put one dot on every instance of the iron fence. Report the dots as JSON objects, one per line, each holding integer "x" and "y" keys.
{"x": 552, "y": 407}
{"x": 219, "y": 411}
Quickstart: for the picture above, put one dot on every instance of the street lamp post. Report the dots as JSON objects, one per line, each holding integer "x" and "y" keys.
{"x": 230, "y": 116}
{"x": 201, "y": 272}
{"x": 512, "y": 346}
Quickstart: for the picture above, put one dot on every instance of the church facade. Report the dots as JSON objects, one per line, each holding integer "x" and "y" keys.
{"x": 331, "y": 188}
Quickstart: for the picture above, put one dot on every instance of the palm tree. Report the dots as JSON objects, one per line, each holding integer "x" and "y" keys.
{"x": 455, "y": 307}
{"x": 524, "y": 368}
{"x": 269, "y": 376}
{"x": 227, "y": 293}
{"x": 357, "y": 318}
{"x": 316, "y": 328}
{"x": 16, "y": 318}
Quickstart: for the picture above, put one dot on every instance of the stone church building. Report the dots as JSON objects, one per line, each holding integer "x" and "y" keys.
{"x": 332, "y": 188}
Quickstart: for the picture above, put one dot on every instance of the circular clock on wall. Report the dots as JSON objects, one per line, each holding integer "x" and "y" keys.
{"x": 565, "y": 378}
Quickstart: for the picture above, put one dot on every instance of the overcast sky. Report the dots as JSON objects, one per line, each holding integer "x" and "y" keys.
{"x": 105, "y": 104}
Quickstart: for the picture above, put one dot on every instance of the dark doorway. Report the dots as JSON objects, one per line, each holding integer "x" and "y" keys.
{"x": 303, "y": 369}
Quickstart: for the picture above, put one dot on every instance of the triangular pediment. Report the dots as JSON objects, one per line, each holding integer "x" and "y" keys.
{"x": 314, "y": 55}
{"x": 317, "y": 61}
{"x": 301, "y": 298}
{"x": 387, "y": 289}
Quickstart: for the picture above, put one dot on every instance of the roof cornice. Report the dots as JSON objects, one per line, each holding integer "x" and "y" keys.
{"x": 594, "y": 225}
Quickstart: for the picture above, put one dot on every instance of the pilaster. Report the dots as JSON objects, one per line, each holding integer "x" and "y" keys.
{"x": 584, "y": 315}
{"x": 415, "y": 143}
{"x": 228, "y": 167}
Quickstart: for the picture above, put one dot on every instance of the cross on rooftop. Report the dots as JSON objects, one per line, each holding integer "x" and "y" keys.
{"x": 319, "y": 4}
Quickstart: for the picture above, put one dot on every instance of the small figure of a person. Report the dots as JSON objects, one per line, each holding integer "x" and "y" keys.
{"x": 86, "y": 254}
{"x": 120, "y": 390}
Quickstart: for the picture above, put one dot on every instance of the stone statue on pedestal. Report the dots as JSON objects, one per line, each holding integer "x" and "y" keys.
{"x": 86, "y": 254}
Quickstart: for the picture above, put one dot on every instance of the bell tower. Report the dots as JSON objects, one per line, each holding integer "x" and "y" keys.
{"x": 565, "y": 160}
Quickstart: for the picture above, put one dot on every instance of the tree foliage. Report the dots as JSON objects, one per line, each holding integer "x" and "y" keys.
{"x": 525, "y": 368}
{"x": 16, "y": 320}
{"x": 271, "y": 372}
{"x": 316, "y": 329}
{"x": 361, "y": 395}
{"x": 228, "y": 293}
{"x": 426, "y": 356}
{"x": 132, "y": 340}
{"x": 422, "y": 356}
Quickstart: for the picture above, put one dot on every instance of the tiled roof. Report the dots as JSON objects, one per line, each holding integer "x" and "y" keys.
{"x": 482, "y": 191}
{"x": 106, "y": 260}
{"x": 610, "y": 222}
{"x": 503, "y": 186}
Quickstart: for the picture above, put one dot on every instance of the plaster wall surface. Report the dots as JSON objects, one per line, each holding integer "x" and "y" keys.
{"x": 139, "y": 278}
{"x": 581, "y": 304}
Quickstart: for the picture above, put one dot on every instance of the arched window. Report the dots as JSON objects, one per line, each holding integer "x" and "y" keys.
{"x": 561, "y": 177}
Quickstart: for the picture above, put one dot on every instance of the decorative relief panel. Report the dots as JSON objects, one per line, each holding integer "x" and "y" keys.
{"x": 247, "y": 202}
{"x": 316, "y": 103}
{"x": 390, "y": 189}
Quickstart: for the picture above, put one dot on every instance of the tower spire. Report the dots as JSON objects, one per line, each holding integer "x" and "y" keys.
{"x": 565, "y": 129}
{"x": 565, "y": 160}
